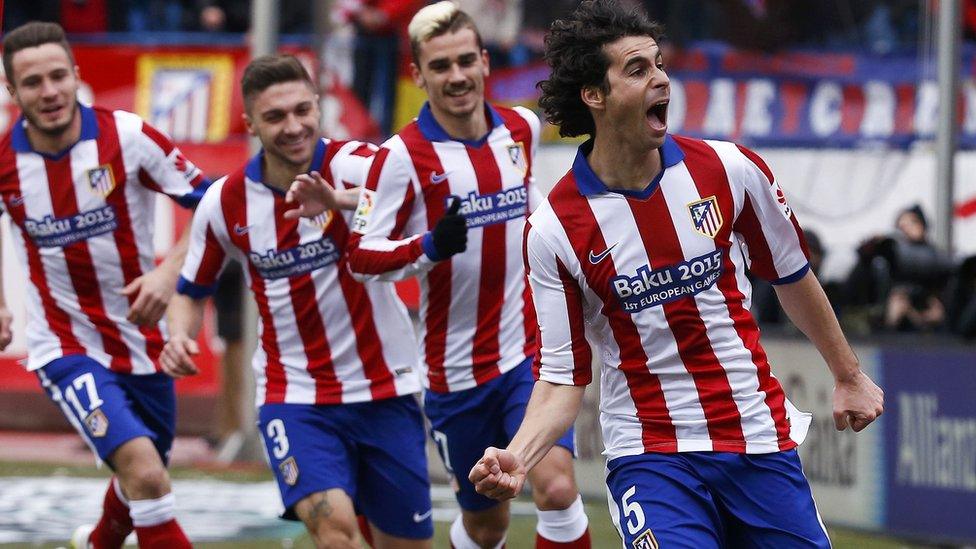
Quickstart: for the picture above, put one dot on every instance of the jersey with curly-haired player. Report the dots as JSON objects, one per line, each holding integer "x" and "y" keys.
{"x": 641, "y": 248}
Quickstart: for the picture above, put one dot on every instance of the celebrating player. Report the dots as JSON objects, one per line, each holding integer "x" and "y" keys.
{"x": 78, "y": 184}
{"x": 335, "y": 368}
{"x": 641, "y": 249}
{"x": 447, "y": 199}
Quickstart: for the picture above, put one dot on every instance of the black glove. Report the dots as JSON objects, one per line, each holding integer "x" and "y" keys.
{"x": 450, "y": 235}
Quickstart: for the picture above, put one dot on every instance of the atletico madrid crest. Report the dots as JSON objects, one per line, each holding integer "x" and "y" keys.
{"x": 289, "y": 471}
{"x": 97, "y": 423}
{"x": 705, "y": 216}
{"x": 323, "y": 220}
{"x": 516, "y": 153}
{"x": 100, "y": 180}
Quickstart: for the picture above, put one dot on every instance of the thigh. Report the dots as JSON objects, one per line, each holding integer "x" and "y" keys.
{"x": 394, "y": 488}
{"x": 307, "y": 451}
{"x": 767, "y": 500}
{"x": 95, "y": 401}
{"x": 153, "y": 399}
{"x": 518, "y": 385}
{"x": 657, "y": 500}
{"x": 328, "y": 515}
{"x": 463, "y": 424}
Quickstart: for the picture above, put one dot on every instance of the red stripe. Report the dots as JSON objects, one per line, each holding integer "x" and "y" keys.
{"x": 210, "y": 262}
{"x": 439, "y": 278}
{"x": 308, "y": 319}
{"x": 582, "y": 355}
{"x": 232, "y": 203}
{"x": 583, "y": 232}
{"x": 81, "y": 267}
{"x": 522, "y": 132}
{"x": 360, "y": 308}
{"x": 57, "y": 319}
{"x": 110, "y": 152}
{"x": 494, "y": 250}
{"x": 158, "y": 138}
{"x": 714, "y": 392}
{"x": 530, "y": 322}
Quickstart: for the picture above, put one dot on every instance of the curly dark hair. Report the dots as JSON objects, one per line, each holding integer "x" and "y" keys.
{"x": 574, "y": 52}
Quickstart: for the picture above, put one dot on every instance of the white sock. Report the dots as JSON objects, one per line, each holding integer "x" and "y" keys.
{"x": 118, "y": 491}
{"x": 563, "y": 526}
{"x": 460, "y": 538}
{"x": 151, "y": 512}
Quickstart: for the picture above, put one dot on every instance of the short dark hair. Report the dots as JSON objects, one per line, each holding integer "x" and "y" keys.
{"x": 265, "y": 71}
{"x": 32, "y": 35}
{"x": 574, "y": 52}
{"x": 438, "y": 19}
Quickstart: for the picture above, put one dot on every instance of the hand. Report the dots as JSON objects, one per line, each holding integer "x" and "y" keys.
{"x": 857, "y": 402}
{"x": 314, "y": 196}
{"x": 177, "y": 357}
{"x": 6, "y": 322}
{"x": 153, "y": 291}
{"x": 499, "y": 474}
{"x": 450, "y": 235}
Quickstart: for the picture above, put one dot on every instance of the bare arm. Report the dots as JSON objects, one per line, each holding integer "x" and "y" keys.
{"x": 857, "y": 400}
{"x": 184, "y": 319}
{"x": 154, "y": 289}
{"x": 552, "y": 409}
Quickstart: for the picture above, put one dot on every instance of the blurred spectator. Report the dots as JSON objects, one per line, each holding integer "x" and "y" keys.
{"x": 18, "y": 12}
{"x": 159, "y": 15}
{"x": 228, "y": 303}
{"x": 903, "y": 275}
{"x": 961, "y": 314}
{"x": 499, "y": 22}
{"x": 381, "y": 38}
{"x": 294, "y": 16}
{"x": 683, "y": 21}
{"x": 766, "y": 25}
{"x": 536, "y": 18}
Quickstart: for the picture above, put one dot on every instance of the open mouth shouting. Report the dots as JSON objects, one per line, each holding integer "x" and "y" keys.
{"x": 657, "y": 115}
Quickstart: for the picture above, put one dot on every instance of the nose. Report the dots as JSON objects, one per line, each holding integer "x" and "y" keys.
{"x": 661, "y": 79}
{"x": 456, "y": 74}
{"x": 292, "y": 124}
{"x": 48, "y": 89}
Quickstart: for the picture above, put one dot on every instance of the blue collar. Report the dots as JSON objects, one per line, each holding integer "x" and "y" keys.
{"x": 589, "y": 184}
{"x": 255, "y": 168}
{"x": 433, "y": 131}
{"x": 89, "y": 130}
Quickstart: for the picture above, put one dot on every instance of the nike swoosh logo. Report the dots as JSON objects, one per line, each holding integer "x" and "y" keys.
{"x": 241, "y": 230}
{"x": 417, "y": 517}
{"x": 437, "y": 178}
{"x": 596, "y": 258}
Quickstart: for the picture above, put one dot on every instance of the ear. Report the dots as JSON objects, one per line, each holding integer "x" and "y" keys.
{"x": 484, "y": 59}
{"x": 77, "y": 70}
{"x": 593, "y": 97}
{"x": 248, "y": 123}
{"x": 417, "y": 77}
{"x": 11, "y": 91}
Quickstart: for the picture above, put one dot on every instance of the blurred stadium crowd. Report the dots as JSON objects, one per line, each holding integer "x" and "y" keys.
{"x": 901, "y": 281}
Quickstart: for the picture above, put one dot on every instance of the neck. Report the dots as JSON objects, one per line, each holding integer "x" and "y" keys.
{"x": 280, "y": 175}
{"x": 469, "y": 128}
{"x": 54, "y": 143}
{"x": 620, "y": 165}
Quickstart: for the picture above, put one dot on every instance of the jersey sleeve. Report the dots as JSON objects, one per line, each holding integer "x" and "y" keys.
{"x": 564, "y": 355}
{"x": 350, "y": 166}
{"x": 767, "y": 225}
{"x": 206, "y": 255}
{"x": 164, "y": 169}
{"x": 381, "y": 248}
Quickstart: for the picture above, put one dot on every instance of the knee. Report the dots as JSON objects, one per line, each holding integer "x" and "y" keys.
{"x": 147, "y": 482}
{"x": 487, "y": 533}
{"x": 334, "y": 538}
{"x": 557, "y": 493}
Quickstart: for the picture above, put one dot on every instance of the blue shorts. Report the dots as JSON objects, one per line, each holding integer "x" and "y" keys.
{"x": 713, "y": 499}
{"x": 374, "y": 451}
{"x": 109, "y": 409}
{"x": 464, "y": 423}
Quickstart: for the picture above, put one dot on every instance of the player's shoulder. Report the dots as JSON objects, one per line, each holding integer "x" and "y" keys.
{"x": 518, "y": 115}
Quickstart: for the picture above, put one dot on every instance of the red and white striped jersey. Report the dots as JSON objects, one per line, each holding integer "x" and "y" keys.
{"x": 655, "y": 280}
{"x": 476, "y": 315}
{"x": 325, "y": 337}
{"x": 84, "y": 222}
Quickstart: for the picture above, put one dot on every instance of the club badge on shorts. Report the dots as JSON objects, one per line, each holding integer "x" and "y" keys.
{"x": 706, "y": 216}
{"x": 97, "y": 423}
{"x": 645, "y": 541}
{"x": 100, "y": 180}
{"x": 289, "y": 471}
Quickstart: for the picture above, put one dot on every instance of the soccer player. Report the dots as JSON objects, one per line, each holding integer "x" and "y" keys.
{"x": 641, "y": 249}
{"x": 447, "y": 199}
{"x": 335, "y": 370}
{"x": 79, "y": 184}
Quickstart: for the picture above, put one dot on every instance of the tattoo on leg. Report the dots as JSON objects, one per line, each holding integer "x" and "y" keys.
{"x": 320, "y": 508}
